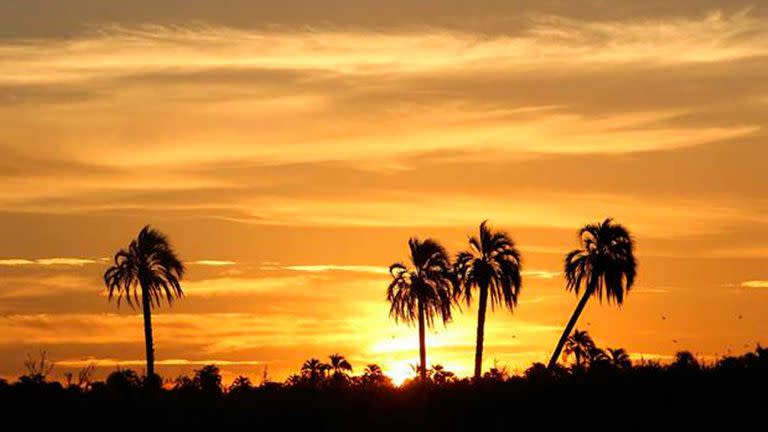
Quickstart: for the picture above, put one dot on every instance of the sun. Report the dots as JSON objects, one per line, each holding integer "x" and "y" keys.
{"x": 399, "y": 372}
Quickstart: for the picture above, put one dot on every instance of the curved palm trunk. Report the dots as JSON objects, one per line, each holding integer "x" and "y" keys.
{"x": 149, "y": 344}
{"x": 422, "y": 345}
{"x": 569, "y": 328}
{"x": 480, "y": 331}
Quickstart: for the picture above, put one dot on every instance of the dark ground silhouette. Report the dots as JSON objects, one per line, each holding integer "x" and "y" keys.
{"x": 600, "y": 393}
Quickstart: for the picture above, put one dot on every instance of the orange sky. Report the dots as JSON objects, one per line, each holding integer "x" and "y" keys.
{"x": 290, "y": 149}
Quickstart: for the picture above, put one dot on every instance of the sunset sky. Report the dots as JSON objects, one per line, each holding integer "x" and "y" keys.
{"x": 290, "y": 148}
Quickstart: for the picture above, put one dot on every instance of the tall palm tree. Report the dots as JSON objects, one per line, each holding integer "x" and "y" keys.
{"x": 421, "y": 292}
{"x": 579, "y": 345}
{"x": 492, "y": 266}
{"x": 147, "y": 271}
{"x": 605, "y": 263}
{"x": 619, "y": 358}
{"x": 340, "y": 366}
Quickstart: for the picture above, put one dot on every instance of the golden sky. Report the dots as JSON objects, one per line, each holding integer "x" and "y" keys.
{"x": 290, "y": 148}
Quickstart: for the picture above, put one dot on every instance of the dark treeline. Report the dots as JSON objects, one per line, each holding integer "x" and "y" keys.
{"x": 599, "y": 387}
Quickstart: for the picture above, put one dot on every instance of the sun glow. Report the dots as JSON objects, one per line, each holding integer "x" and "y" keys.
{"x": 401, "y": 371}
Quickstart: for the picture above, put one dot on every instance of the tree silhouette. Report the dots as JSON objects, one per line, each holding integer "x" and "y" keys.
{"x": 340, "y": 366}
{"x": 314, "y": 371}
{"x": 619, "y": 358}
{"x": 147, "y": 271}
{"x": 579, "y": 345}
{"x": 598, "y": 357}
{"x": 421, "y": 292}
{"x": 440, "y": 375}
{"x": 373, "y": 370}
{"x": 685, "y": 360}
{"x": 208, "y": 380}
{"x": 123, "y": 380}
{"x": 374, "y": 376}
{"x": 492, "y": 265}
{"x": 605, "y": 263}
{"x": 241, "y": 382}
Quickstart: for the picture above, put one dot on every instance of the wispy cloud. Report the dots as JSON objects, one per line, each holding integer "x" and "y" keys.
{"x": 541, "y": 274}
{"x": 323, "y": 268}
{"x": 15, "y": 262}
{"x": 755, "y": 284}
{"x": 110, "y": 362}
{"x": 549, "y": 41}
{"x": 213, "y": 263}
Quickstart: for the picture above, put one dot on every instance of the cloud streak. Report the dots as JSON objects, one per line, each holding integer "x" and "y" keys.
{"x": 755, "y": 284}
{"x": 17, "y": 262}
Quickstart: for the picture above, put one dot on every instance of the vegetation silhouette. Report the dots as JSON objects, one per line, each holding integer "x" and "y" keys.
{"x": 421, "y": 292}
{"x": 579, "y": 345}
{"x": 604, "y": 264}
{"x": 492, "y": 266}
{"x": 686, "y": 388}
{"x": 619, "y": 358}
{"x": 147, "y": 271}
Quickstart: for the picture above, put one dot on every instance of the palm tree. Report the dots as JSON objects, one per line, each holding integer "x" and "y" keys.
{"x": 340, "y": 366}
{"x": 373, "y": 375}
{"x": 492, "y": 265}
{"x": 605, "y": 263}
{"x": 579, "y": 345}
{"x": 421, "y": 292}
{"x": 314, "y": 370}
{"x": 440, "y": 375}
{"x": 373, "y": 370}
{"x": 619, "y": 358}
{"x": 598, "y": 357}
{"x": 148, "y": 268}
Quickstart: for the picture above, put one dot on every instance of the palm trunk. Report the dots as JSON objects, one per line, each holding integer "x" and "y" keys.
{"x": 422, "y": 344}
{"x": 480, "y": 331}
{"x": 569, "y": 327}
{"x": 149, "y": 344}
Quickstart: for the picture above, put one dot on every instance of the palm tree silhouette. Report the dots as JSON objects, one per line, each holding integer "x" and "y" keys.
{"x": 374, "y": 375}
{"x": 579, "y": 345}
{"x": 373, "y": 370}
{"x": 492, "y": 265}
{"x": 605, "y": 262}
{"x": 314, "y": 370}
{"x": 421, "y": 292}
{"x": 619, "y": 358}
{"x": 598, "y": 357}
{"x": 440, "y": 375}
{"x": 340, "y": 366}
{"x": 150, "y": 269}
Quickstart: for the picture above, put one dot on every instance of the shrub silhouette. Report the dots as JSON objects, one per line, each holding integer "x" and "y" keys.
{"x": 725, "y": 387}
